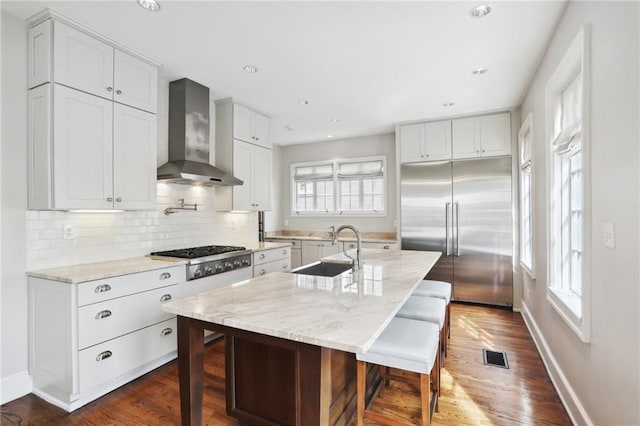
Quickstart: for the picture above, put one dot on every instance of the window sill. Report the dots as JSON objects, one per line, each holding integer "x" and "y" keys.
{"x": 569, "y": 307}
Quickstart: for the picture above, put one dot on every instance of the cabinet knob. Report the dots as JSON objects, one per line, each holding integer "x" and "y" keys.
{"x": 484, "y": 150}
{"x": 165, "y": 276}
{"x": 427, "y": 155}
{"x": 477, "y": 152}
{"x": 104, "y": 355}
{"x": 262, "y": 256}
{"x": 262, "y": 272}
{"x": 109, "y": 89}
{"x": 385, "y": 247}
{"x": 285, "y": 267}
{"x": 103, "y": 314}
{"x": 165, "y": 298}
{"x": 166, "y": 331}
{"x": 118, "y": 92}
{"x": 284, "y": 252}
{"x": 119, "y": 200}
{"x": 102, "y": 288}
{"x": 110, "y": 199}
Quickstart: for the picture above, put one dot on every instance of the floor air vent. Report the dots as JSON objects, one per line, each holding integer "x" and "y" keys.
{"x": 496, "y": 359}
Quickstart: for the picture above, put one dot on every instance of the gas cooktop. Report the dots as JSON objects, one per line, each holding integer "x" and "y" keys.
{"x": 198, "y": 252}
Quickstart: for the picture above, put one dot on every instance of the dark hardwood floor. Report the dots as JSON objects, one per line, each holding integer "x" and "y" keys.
{"x": 472, "y": 393}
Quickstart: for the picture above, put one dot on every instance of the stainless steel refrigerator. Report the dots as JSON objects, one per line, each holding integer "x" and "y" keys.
{"x": 462, "y": 209}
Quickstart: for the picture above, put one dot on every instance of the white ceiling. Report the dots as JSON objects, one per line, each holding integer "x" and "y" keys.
{"x": 368, "y": 64}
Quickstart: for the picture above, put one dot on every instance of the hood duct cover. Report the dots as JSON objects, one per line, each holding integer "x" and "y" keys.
{"x": 189, "y": 138}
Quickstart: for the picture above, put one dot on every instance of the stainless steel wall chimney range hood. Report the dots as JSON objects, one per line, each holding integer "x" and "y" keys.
{"x": 189, "y": 138}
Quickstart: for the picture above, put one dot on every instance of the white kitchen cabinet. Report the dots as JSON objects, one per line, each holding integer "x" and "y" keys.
{"x": 89, "y": 338}
{"x": 89, "y": 63}
{"x": 250, "y": 126}
{"x": 134, "y": 151}
{"x": 247, "y": 160}
{"x": 425, "y": 141}
{"x": 252, "y": 165}
{"x": 86, "y": 152}
{"x": 273, "y": 260}
{"x": 314, "y": 250}
{"x": 483, "y": 136}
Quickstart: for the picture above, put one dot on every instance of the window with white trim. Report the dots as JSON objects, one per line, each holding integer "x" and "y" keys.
{"x": 525, "y": 140}
{"x": 354, "y": 186}
{"x": 567, "y": 106}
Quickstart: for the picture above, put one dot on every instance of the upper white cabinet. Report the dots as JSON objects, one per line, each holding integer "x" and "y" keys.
{"x": 76, "y": 59}
{"x": 484, "y": 136}
{"x": 243, "y": 154}
{"x": 86, "y": 148}
{"x": 250, "y": 126}
{"x": 425, "y": 142}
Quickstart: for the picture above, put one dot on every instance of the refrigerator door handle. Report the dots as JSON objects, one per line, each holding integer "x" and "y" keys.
{"x": 446, "y": 228}
{"x": 457, "y": 212}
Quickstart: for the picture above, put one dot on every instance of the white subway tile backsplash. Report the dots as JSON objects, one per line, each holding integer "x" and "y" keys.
{"x": 109, "y": 236}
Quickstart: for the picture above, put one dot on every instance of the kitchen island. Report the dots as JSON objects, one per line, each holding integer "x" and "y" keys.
{"x": 290, "y": 339}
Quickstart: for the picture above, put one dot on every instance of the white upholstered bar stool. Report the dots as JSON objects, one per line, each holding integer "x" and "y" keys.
{"x": 397, "y": 347}
{"x": 430, "y": 309}
{"x": 439, "y": 289}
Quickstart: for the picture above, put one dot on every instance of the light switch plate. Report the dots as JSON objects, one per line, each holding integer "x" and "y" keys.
{"x": 68, "y": 232}
{"x": 609, "y": 235}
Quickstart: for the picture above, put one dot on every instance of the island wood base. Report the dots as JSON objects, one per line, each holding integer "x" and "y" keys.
{"x": 270, "y": 380}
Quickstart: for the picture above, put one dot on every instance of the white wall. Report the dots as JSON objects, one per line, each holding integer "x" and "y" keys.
{"x": 599, "y": 381}
{"x": 33, "y": 239}
{"x": 13, "y": 287}
{"x": 329, "y": 150}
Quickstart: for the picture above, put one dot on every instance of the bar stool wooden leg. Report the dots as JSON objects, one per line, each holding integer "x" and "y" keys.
{"x": 425, "y": 400}
{"x": 361, "y": 387}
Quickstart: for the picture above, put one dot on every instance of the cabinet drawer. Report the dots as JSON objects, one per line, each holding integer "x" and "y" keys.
{"x": 111, "y": 359}
{"x": 283, "y": 265}
{"x": 267, "y": 256}
{"x": 110, "y": 288}
{"x": 107, "y": 320}
{"x": 385, "y": 246}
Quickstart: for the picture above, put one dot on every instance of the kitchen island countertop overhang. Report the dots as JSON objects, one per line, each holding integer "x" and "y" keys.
{"x": 346, "y": 312}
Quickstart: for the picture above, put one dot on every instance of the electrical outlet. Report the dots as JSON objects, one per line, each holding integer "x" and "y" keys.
{"x": 68, "y": 232}
{"x": 609, "y": 235}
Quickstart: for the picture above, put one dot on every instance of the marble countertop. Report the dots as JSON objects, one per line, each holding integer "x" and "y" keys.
{"x": 367, "y": 237}
{"x": 95, "y": 271}
{"x": 347, "y": 312}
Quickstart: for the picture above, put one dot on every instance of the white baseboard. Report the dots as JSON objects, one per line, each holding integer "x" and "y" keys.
{"x": 15, "y": 386}
{"x": 569, "y": 399}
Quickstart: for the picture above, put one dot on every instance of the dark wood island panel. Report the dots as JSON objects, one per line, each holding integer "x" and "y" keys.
{"x": 269, "y": 380}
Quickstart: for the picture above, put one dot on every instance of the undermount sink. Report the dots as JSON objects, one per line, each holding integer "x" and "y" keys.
{"x": 322, "y": 269}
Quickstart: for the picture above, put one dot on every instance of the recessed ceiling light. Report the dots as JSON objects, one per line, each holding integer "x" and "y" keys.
{"x": 250, "y": 69}
{"x": 329, "y": 136}
{"x": 151, "y": 5}
{"x": 480, "y": 11}
{"x": 335, "y": 120}
{"x": 304, "y": 102}
{"x": 479, "y": 71}
{"x": 448, "y": 104}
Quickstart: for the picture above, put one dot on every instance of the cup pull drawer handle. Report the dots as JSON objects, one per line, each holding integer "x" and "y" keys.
{"x": 385, "y": 247}
{"x": 165, "y": 298}
{"x": 102, "y": 288}
{"x": 104, "y": 355}
{"x": 262, "y": 256}
{"x": 103, "y": 314}
{"x": 165, "y": 276}
{"x": 166, "y": 331}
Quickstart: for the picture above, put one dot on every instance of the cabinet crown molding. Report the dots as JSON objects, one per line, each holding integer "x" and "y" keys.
{"x": 53, "y": 14}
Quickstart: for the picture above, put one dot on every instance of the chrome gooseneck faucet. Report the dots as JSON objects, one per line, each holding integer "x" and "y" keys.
{"x": 356, "y": 261}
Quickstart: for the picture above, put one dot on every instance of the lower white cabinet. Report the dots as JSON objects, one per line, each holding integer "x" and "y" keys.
{"x": 274, "y": 260}
{"x": 314, "y": 250}
{"x": 89, "y": 338}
